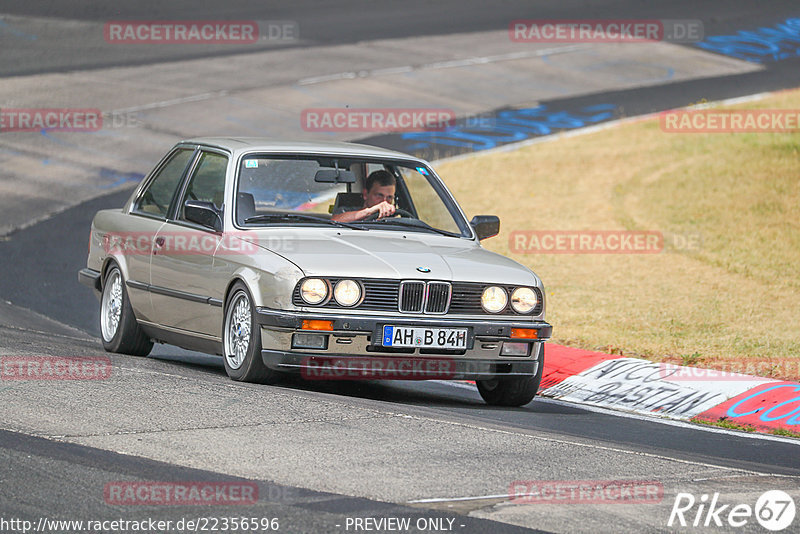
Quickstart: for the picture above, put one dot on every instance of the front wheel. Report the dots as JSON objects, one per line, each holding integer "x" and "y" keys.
{"x": 118, "y": 327}
{"x": 514, "y": 390}
{"x": 241, "y": 340}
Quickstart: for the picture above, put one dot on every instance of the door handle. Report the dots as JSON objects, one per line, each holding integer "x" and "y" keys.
{"x": 159, "y": 243}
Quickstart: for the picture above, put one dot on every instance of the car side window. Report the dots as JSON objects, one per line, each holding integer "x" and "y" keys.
{"x": 155, "y": 200}
{"x": 427, "y": 201}
{"x": 207, "y": 183}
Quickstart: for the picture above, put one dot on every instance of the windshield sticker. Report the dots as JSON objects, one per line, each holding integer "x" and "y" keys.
{"x": 251, "y": 164}
{"x": 423, "y": 171}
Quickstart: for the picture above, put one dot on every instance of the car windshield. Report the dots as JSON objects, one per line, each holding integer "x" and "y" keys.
{"x": 343, "y": 191}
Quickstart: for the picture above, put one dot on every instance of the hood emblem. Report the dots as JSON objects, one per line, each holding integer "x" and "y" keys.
{"x": 424, "y": 269}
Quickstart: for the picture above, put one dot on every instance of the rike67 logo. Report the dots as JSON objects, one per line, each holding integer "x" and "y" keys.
{"x": 774, "y": 510}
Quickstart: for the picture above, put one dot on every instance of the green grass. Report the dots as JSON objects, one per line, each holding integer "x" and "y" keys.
{"x": 784, "y": 432}
{"x": 724, "y": 423}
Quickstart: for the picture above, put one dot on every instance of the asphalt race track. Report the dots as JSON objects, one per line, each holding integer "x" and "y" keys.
{"x": 323, "y": 454}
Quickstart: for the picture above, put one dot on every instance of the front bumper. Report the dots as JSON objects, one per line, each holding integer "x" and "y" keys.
{"x": 353, "y": 350}
{"x": 90, "y": 278}
{"x": 399, "y": 367}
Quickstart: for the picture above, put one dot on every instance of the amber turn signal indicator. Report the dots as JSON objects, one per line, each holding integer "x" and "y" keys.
{"x": 316, "y": 324}
{"x": 524, "y": 333}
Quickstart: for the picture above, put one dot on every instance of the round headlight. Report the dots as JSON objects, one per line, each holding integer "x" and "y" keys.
{"x": 524, "y": 299}
{"x": 494, "y": 299}
{"x": 347, "y": 292}
{"x": 314, "y": 290}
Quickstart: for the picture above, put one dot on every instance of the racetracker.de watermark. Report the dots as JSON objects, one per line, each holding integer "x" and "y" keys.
{"x": 600, "y": 242}
{"x": 52, "y": 119}
{"x": 605, "y": 31}
{"x": 55, "y": 368}
{"x": 191, "y": 243}
{"x": 123, "y": 493}
{"x": 377, "y": 119}
{"x": 730, "y": 121}
{"x": 64, "y": 120}
{"x": 585, "y": 492}
{"x": 730, "y": 371}
{"x": 395, "y": 368}
{"x": 226, "y": 32}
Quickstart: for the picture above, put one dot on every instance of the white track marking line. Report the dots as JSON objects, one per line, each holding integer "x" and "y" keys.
{"x": 173, "y": 102}
{"x": 453, "y": 499}
{"x": 507, "y": 496}
{"x": 641, "y": 417}
{"x": 455, "y": 384}
{"x": 392, "y": 70}
{"x": 450, "y": 64}
{"x": 593, "y": 446}
{"x": 603, "y": 126}
{"x": 670, "y": 422}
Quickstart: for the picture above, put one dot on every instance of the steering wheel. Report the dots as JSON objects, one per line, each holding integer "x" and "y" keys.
{"x": 398, "y": 211}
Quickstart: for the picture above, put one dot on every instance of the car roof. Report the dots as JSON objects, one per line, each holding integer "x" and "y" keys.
{"x": 239, "y": 145}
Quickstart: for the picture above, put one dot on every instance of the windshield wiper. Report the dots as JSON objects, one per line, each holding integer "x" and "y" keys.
{"x": 267, "y": 217}
{"x": 413, "y": 223}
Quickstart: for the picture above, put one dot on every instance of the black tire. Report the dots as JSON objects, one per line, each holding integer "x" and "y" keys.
{"x": 243, "y": 364}
{"x": 126, "y": 337}
{"x": 512, "y": 391}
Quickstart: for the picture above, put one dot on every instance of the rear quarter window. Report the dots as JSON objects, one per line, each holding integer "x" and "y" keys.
{"x": 157, "y": 196}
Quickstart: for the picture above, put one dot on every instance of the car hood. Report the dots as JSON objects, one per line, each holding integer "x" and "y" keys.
{"x": 391, "y": 254}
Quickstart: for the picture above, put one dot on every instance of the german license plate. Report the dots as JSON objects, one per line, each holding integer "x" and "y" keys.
{"x": 414, "y": 336}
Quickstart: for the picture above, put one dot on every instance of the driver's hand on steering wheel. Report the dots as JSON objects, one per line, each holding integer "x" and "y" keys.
{"x": 384, "y": 209}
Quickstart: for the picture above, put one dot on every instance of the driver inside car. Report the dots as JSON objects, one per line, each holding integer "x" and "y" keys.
{"x": 378, "y": 196}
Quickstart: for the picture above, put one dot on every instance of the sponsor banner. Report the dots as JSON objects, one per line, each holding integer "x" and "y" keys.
{"x": 377, "y": 119}
{"x": 563, "y": 362}
{"x": 121, "y": 493}
{"x": 55, "y": 368}
{"x": 585, "y": 492}
{"x": 644, "y": 387}
{"x": 767, "y": 406}
{"x": 731, "y": 121}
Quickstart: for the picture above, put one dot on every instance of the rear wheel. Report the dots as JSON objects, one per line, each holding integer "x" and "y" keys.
{"x": 118, "y": 327}
{"x": 241, "y": 340}
{"x": 514, "y": 390}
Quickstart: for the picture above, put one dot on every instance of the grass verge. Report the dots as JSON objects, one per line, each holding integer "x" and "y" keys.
{"x": 726, "y": 423}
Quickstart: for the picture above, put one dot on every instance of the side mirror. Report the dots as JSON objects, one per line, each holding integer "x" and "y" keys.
{"x": 485, "y": 226}
{"x": 335, "y": 176}
{"x": 203, "y": 213}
